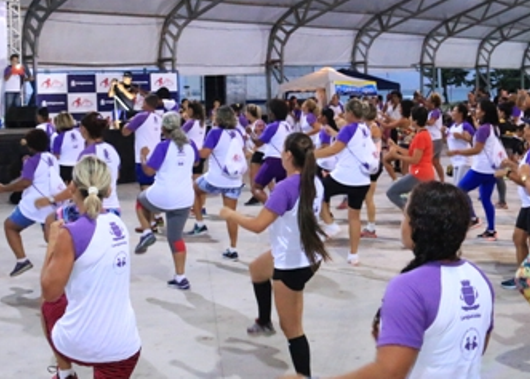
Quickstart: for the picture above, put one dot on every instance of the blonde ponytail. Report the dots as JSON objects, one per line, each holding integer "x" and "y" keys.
{"x": 93, "y": 179}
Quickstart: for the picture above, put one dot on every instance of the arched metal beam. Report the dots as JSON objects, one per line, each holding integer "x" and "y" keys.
{"x": 489, "y": 43}
{"x": 36, "y": 15}
{"x": 384, "y": 22}
{"x": 296, "y": 17}
{"x": 459, "y": 23}
{"x": 184, "y": 12}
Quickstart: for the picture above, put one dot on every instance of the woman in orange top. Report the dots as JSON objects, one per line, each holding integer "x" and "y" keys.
{"x": 418, "y": 156}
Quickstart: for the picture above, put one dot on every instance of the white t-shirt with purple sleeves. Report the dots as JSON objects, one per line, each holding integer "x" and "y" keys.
{"x": 67, "y": 146}
{"x": 306, "y": 124}
{"x": 147, "y": 128}
{"x": 48, "y": 128}
{"x": 483, "y": 161}
{"x": 348, "y": 169}
{"x": 328, "y": 163}
{"x": 444, "y": 310}
{"x": 173, "y": 171}
{"x": 170, "y": 105}
{"x": 284, "y": 232}
{"x": 521, "y": 191}
{"x": 218, "y": 141}
{"x": 435, "y": 130}
{"x": 99, "y": 324}
{"x": 459, "y": 144}
{"x": 42, "y": 170}
{"x": 337, "y": 109}
{"x": 274, "y": 137}
{"x": 195, "y": 132}
{"x": 110, "y": 156}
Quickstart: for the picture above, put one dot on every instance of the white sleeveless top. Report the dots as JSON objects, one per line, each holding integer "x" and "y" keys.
{"x": 99, "y": 324}
{"x": 459, "y": 144}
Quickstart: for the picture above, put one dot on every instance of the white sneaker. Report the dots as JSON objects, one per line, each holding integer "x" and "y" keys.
{"x": 331, "y": 230}
{"x": 353, "y": 259}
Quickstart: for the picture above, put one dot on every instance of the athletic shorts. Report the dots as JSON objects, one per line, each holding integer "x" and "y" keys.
{"x": 271, "y": 169}
{"x": 199, "y": 169}
{"x": 438, "y": 146}
{"x": 295, "y": 279}
{"x": 322, "y": 172}
{"x": 142, "y": 178}
{"x": 523, "y": 220}
{"x": 19, "y": 219}
{"x": 355, "y": 194}
{"x": 257, "y": 158}
{"x": 231, "y": 193}
{"x": 374, "y": 177}
{"x": 66, "y": 173}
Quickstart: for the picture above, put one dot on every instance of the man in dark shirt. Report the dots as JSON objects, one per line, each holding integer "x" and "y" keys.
{"x": 123, "y": 95}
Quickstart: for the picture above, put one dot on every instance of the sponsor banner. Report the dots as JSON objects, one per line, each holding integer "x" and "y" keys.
{"x": 105, "y": 103}
{"x": 164, "y": 80}
{"x": 51, "y": 84}
{"x": 55, "y": 103}
{"x": 81, "y": 83}
{"x": 82, "y": 102}
{"x": 143, "y": 81}
{"x": 103, "y": 81}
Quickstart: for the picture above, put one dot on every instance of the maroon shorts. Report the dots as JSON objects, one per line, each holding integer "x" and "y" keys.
{"x": 52, "y": 312}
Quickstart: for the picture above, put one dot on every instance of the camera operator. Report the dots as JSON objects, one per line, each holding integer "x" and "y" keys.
{"x": 124, "y": 96}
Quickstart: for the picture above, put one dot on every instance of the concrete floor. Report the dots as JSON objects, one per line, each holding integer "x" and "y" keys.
{"x": 201, "y": 333}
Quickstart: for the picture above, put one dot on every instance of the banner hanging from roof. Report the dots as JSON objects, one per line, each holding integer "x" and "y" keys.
{"x": 357, "y": 88}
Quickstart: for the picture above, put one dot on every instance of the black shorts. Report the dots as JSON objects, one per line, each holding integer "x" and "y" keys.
{"x": 257, "y": 158}
{"x": 66, "y": 173}
{"x": 295, "y": 279}
{"x": 321, "y": 171}
{"x": 356, "y": 194}
{"x": 199, "y": 169}
{"x": 523, "y": 220}
{"x": 374, "y": 177}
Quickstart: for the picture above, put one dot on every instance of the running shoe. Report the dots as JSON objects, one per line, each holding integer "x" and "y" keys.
{"x": 331, "y": 230}
{"x": 252, "y": 201}
{"x": 184, "y": 284}
{"x": 21, "y": 267}
{"x": 231, "y": 255}
{"x": 55, "y": 370}
{"x": 500, "y": 205}
{"x": 488, "y": 236}
{"x": 368, "y": 234}
{"x": 509, "y": 284}
{"x": 343, "y": 205}
{"x": 475, "y": 223}
{"x": 145, "y": 242}
{"x": 261, "y": 330}
{"x": 197, "y": 230}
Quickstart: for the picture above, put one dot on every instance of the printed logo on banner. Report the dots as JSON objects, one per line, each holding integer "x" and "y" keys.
{"x": 82, "y": 102}
{"x": 168, "y": 80}
{"x": 81, "y": 83}
{"x": 52, "y": 84}
{"x": 55, "y": 103}
{"x": 103, "y": 81}
{"x": 105, "y": 103}
{"x": 142, "y": 80}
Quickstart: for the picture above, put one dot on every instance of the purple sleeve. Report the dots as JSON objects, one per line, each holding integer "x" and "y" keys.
{"x": 483, "y": 133}
{"x": 284, "y": 196}
{"x": 7, "y": 70}
{"x": 527, "y": 160}
{"x": 435, "y": 113}
{"x": 406, "y": 312}
{"x": 137, "y": 121}
{"x": 159, "y": 155}
{"x": 212, "y": 139}
{"x": 346, "y": 133}
{"x": 187, "y": 126}
{"x": 243, "y": 121}
{"x": 311, "y": 118}
{"x": 325, "y": 138}
{"x": 82, "y": 232}
{"x": 57, "y": 144}
{"x": 516, "y": 112}
{"x": 195, "y": 151}
{"x": 468, "y": 128}
{"x": 29, "y": 167}
{"x": 89, "y": 150}
{"x": 269, "y": 132}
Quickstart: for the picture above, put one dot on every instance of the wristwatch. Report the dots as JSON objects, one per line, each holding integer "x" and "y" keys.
{"x": 51, "y": 200}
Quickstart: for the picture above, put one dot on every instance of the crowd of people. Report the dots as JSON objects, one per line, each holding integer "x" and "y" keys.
{"x": 297, "y": 157}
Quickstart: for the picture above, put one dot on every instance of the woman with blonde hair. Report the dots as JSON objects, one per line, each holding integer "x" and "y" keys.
{"x": 84, "y": 322}
{"x": 309, "y": 120}
{"x": 68, "y": 144}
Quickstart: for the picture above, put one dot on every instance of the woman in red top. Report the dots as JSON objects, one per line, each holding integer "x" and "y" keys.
{"x": 418, "y": 156}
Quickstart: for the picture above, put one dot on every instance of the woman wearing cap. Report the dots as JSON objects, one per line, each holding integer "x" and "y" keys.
{"x": 172, "y": 161}
{"x": 85, "y": 322}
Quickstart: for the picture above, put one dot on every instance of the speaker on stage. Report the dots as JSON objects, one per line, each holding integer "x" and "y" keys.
{"x": 21, "y": 117}
{"x": 214, "y": 89}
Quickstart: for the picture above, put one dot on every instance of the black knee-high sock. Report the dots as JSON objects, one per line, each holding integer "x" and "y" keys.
{"x": 300, "y": 354}
{"x": 263, "y": 292}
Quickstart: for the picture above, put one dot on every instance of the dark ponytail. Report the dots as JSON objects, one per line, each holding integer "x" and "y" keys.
{"x": 311, "y": 235}
{"x": 466, "y": 116}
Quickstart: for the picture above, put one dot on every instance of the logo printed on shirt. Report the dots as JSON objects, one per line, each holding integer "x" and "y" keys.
{"x": 469, "y": 296}
{"x": 106, "y": 155}
{"x": 469, "y": 344}
{"x": 120, "y": 262}
{"x": 116, "y": 231}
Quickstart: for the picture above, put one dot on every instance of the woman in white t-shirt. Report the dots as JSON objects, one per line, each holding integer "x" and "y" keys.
{"x": 87, "y": 314}
{"x": 39, "y": 178}
{"x": 297, "y": 248}
{"x": 45, "y": 123}
{"x": 67, "y": 145}
{"x": 254, "y": 129}
{"x": 326, "y": 137}
{"x": 435, "y": 126}
{"x": 459, "y": 137}
{"x": 172, "y": 163}
{"x": 436, "y": 317}
{"x": 309, "y": 119}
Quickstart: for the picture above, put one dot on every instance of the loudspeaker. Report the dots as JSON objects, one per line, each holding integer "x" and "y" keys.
{"x": 21, "y": 117}
{"x": 214, "y": 89}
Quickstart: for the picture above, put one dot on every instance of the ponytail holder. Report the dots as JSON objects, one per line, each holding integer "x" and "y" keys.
{"x": 93, "y": 191}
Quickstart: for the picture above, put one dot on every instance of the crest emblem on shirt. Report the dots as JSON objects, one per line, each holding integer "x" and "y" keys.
{"x": 116, "y": 231}
{"x": 73, "y": 137}
{"x": 106, "y": 155}
{"x": 469, "y": 296}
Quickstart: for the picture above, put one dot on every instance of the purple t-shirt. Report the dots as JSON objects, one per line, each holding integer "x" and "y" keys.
{"x": 30, "y": 166}
{"x": 81, "y": 231}
{"x": 482, "y": 134}
{"x": 284, "y": 196}
{"x": 160, "y": 152}
{"x": 347, "y": 133}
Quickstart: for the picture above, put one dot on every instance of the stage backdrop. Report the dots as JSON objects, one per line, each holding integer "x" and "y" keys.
{"x": 83, "y": 93}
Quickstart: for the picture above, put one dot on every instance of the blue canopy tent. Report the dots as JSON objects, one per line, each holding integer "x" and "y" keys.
{"x": 382, "y": 84}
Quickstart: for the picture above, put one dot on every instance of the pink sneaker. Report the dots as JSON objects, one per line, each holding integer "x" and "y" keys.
{"x": 368, "y": 234}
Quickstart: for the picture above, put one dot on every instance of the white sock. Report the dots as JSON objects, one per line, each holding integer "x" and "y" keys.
{"x": 22, "y": 260}
{"x": 146, "y": 232}
{"x": 63, "y": 374}
{"x": 180, "y": 278}
{"x": 199, "y": 224}
{"x": 232, "y": 249}
{"x": 370, "y": 227}
{"x": 353, "y": 258}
